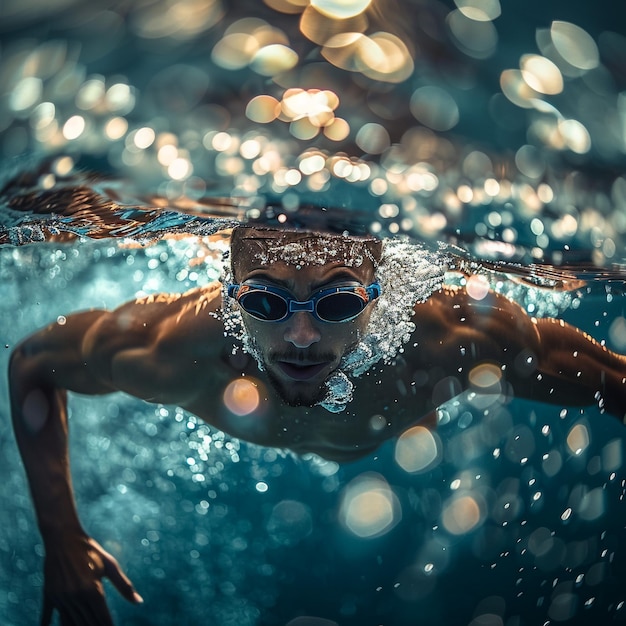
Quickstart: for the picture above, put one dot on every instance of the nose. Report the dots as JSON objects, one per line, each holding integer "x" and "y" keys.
{"x": 301, "y": 330}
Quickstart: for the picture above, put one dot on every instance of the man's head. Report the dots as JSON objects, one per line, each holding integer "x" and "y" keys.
{"x": 301, "y": 351}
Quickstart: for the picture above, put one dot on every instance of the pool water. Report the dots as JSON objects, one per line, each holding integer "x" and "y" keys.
{"x": 133, "y": 133}
{"x": 517, "y": 517}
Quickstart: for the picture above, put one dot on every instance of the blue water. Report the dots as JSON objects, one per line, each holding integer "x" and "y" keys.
{"x": 259, "y": 538}
{"x": 521, "y": 519}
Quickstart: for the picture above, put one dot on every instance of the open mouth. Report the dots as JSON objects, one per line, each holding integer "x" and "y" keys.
{"x": 301, "y": 371}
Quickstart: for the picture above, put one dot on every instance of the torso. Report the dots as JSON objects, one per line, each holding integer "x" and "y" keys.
{"x": 387, "y": 400}
{"x": 177, "y": 353}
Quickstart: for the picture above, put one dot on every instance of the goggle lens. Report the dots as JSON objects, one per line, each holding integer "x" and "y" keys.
{"x": 264, "y": 305}
{"x": 338, "y": 307}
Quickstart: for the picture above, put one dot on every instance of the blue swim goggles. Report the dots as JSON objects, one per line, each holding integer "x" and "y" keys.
{"x": 274, "y": 304}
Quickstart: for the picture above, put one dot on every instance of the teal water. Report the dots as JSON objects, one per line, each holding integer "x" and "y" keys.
{"x": 151, "y": 128}
{"x": 218, "y": 530}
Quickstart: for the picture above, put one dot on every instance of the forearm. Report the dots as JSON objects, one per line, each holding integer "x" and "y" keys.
{"x": 41, "y": 369}
{"x": 39, "y": 417}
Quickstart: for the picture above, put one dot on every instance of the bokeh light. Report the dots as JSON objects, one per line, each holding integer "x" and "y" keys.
{"x": 241, "y": 396}
{"x": 578, "y": 439}
{"x": 342, "y": 77}
{"x": 476, "y": 38}
{"x": 477, "y": 287}
{"x": 417, "y": 450}
{"x": 369, "y": 508}
{"x": 462, "y": 514}
{"x": 434, "y": 107}
{"x": 341, "y": 9}
{"x": 574, "y": 45}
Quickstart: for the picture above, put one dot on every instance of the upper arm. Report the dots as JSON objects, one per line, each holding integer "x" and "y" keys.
{"x": 53, "y": 357}
{"x": 542, "y": 359}
{"x": 157, "y": 348}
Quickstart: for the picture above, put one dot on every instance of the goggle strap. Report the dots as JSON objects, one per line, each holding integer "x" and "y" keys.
{"x": 373, "y": 291}
{"x": 232, "y": 290}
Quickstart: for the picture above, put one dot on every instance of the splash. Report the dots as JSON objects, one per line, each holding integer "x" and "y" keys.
{"x": 408, "y": 274}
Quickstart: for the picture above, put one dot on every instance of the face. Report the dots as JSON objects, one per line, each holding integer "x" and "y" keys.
{"x": 300, "y": 353}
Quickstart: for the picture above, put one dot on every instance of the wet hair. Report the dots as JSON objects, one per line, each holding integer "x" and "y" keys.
{"x": 264, "y": 246}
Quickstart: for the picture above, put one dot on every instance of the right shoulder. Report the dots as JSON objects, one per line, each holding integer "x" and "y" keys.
{"x": 157, "y": 316}
{"x": 151, "y": 339}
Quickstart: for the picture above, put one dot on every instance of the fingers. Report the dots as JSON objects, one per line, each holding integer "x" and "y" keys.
{"x": 86, "y": 608}
{"x": 87, "y": 605}
{"x": 112, "y": 570}
{"x": 118, "y": 578}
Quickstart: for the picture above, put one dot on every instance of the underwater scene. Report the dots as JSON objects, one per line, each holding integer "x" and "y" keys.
{"x": 468, "y": 155}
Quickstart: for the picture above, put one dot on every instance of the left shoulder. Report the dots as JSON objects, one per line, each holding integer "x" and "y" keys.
{"x": 452, "y": 320}
{"x": 458, "y": 303}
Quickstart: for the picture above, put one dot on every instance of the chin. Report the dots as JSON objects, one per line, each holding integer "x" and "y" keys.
{"x": 297, "y": 394}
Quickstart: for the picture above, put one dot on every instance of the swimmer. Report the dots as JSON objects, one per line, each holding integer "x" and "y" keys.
{"x": 321, "y": 332}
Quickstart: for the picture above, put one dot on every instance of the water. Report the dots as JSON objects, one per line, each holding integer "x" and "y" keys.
{"x": 514, "y": 514}
{"x": 519, "y": 517}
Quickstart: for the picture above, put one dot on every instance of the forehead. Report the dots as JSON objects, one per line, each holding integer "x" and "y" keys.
{"x": 286, "y": 252}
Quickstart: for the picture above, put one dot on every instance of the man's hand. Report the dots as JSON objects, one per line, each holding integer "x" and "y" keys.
{"x": 73, "y": 572}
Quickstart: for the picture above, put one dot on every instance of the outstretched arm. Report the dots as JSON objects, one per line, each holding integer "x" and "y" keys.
{"x": 42, "y": 368}
{"x": 542, "y": 359}
{"x": 150, "y": 349}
